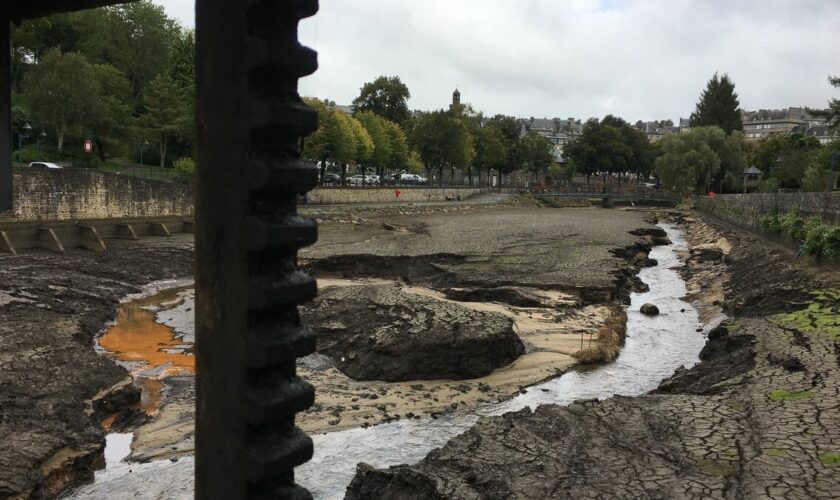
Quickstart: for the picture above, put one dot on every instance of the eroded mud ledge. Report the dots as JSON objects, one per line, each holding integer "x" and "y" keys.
{"x": 757, "y": 418}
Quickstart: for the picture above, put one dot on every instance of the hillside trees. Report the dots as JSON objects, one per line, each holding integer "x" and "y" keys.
{"x": 62, "y": 92}
{"x": 167, "y": 115}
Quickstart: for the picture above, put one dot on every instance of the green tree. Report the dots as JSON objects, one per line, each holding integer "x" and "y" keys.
{"x": 443, "y": 141}
{"x": 610, "y": 145}
{"x": 110, "y": 123}
{"x": 386, "y": 97}
{"x": 818, "y": 174}
{"x": 832, "y": 114}
{"x": 489, "y": 150}
{"x": 136, "y": 38}
{"x": 399, "y": 146}
{"x": 167, "y": 116}
{"x": 62, "y": 92}
{"x": 785, "y": 158}
{"x": 363, "y": 142}
{"x": 334, "y": 139}
{"x": 689, "y": 160}
{"x": 535, "y": 152}
{"x": 375, "y": 126}
{"x": 511, "y": 130}
{"x": 182, "y": 61}
{"x": 718, "y": 106}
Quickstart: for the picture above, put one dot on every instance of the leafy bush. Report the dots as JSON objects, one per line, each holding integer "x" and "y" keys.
{"x": 184, "y": 170}
{"x": 771, "y": 222}
{"x": 791, "y": 224}
{"x": 832, "y": 242}
{"x": 815, "y": 239}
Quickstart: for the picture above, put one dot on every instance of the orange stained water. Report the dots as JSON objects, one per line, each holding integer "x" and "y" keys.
{"x": 136, "y": 337}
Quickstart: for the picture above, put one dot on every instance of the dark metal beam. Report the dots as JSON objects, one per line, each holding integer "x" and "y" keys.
{"x": 250, "y": 121}
{"x": 27, "y": 9}
{"x": 5, "y": 110}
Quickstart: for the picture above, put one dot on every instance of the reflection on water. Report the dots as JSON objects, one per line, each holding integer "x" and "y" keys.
{"x": 655, "y": 347}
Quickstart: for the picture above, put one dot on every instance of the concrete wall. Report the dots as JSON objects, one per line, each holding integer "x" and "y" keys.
{"x": 335, "y": 196}
{"x": 747, "y": 209}
{"x": 85, "y": 194}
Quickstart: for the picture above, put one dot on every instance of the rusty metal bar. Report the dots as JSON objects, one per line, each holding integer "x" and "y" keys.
{"x": 250, "y": 121}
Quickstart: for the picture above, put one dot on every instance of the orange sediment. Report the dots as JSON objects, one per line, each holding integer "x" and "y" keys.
{"x": 137, "y": 337}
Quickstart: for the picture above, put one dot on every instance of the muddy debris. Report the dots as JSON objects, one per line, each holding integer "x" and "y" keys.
{"x": 380, "y": 332}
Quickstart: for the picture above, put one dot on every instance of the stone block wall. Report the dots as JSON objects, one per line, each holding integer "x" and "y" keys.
{"x": 341, "y": 195}
{"x": 747, "y": 209}
{"x": 71, "y": 194}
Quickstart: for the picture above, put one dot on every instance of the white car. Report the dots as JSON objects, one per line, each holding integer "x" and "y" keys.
{"x": 42, "y": 165}
{"x": 369, "y": 180}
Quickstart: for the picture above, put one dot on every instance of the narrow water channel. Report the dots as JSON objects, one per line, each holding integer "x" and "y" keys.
{"x": 655, "y": 347}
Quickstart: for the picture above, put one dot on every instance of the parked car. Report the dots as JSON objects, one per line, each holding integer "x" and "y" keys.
{"x": 332, "y": 180}
{"x": 43, "y": 165}
{"x": 413, "y": 179}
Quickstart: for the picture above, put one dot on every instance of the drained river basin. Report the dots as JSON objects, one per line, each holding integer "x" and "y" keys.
{"x": 655, "y": 347}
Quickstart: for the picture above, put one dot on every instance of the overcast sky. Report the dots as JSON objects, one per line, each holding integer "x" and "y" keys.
{"x": 639, "y": 59}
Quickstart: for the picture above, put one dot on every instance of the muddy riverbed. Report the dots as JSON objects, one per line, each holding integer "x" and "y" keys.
{"x": 671, "y": 339}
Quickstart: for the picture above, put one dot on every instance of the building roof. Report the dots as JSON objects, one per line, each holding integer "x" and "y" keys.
{"x": 753, "y": 171}
{"x": 26, "y": 9}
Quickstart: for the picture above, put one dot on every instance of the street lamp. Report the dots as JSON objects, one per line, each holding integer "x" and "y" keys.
{"x": 41, "y": 138}
{"x": 142, "y": 148}
{"x": 21, "y": 136}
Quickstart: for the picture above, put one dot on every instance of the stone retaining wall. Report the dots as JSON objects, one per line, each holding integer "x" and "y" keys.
{"x": 747, "y": 209}
{"x": 71, "y": 194}
{"x": 341, "y": 195}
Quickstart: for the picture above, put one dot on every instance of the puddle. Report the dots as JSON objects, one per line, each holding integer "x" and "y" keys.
{"x": 117, "y": 447}
{"x": 655, "y": 347}
{"x": 149, "y": 338}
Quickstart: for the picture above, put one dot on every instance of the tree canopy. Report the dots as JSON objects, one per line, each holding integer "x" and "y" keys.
{"x": 692, "y": 160}
{"x": 610, "y": 145}
{"x": 718, "y": 106}
{"x": 832, "y": 114}
{"x": 386, "y": 97}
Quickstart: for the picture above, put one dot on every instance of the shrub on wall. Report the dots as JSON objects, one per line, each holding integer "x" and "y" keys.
{"x": 184, "y": 170}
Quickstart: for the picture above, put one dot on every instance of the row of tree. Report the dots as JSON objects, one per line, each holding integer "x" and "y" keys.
{"x": 121, "y": 76}
{"x": 383, "y": 135}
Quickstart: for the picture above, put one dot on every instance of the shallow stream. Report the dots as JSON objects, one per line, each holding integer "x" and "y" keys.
{"x": 655, "y": 348}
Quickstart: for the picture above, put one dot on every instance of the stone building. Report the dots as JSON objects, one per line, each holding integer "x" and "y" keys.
{"x": 764, "y": 123}
{"x": 656, "y": 129}
{"x": 560, "y": 132}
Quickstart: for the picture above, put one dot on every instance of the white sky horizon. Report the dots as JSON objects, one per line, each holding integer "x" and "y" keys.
{"x": 637, "y": 59}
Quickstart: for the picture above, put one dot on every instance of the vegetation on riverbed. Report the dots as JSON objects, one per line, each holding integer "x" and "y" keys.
{"x": 609, "y": 339}
{"x": 820, "y": 316}
{"x": 783, "y": 395}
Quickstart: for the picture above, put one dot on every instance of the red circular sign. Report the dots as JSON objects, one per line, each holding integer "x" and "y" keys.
{"x": 88, "y": 147}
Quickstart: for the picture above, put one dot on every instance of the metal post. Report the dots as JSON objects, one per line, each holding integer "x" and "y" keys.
{"x": 250, "y": 121}
{"x": 830, "y": 183}
{"x": 5, "y": 109}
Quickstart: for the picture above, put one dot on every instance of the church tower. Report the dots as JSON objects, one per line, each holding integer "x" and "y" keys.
{"x": 456, "y": 98}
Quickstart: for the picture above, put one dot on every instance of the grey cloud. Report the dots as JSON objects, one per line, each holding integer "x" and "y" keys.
{"x": 640, "y": 59}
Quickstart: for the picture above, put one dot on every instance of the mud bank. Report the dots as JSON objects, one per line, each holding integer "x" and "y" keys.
{"x": 54, "y": 387}
{"x": 757, "y": 418}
